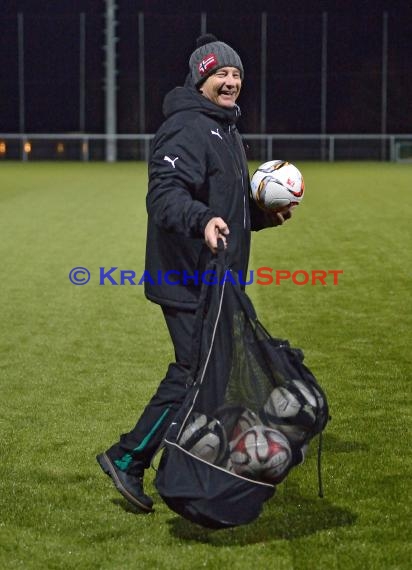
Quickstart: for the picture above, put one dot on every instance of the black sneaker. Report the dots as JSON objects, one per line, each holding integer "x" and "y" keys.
{"x": 130, "y": 486}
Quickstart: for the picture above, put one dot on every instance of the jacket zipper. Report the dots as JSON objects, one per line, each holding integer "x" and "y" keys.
{"x": 241, "y": 178}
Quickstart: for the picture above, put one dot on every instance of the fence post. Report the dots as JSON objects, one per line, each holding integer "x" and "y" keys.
{"x": 24, "y": 148}
{"x": 85, "y": 149}
{"x": 270, "y": 148}
{"x": 392, "y": 149}
{"x": 331, "y": 148}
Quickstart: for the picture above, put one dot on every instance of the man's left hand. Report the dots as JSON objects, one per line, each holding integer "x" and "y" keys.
{"x": 279, "y": 218}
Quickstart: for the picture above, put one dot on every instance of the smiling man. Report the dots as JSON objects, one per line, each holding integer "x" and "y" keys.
{"x": 198, "y": 191}
{"x": 223, "y": 87}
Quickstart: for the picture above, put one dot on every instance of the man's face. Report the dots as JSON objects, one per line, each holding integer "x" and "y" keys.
{"x": 223, "y": 87}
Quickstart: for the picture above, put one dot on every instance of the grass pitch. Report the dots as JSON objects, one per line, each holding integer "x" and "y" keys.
{"x": 78, "y": 364}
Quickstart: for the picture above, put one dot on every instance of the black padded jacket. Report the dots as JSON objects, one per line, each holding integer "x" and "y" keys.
{"x": 197, "y": 170}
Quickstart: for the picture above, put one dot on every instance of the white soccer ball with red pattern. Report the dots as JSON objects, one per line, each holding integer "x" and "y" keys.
{"x": 277, "y": 185}
{"x": 261, "y": 453}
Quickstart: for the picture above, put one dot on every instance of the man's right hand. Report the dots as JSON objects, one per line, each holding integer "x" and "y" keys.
{"x": 216, "y": 228}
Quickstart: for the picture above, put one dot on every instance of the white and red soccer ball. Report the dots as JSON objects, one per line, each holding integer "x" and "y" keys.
{"x": 277, "y": 185}
{"x": 261, "y": 453}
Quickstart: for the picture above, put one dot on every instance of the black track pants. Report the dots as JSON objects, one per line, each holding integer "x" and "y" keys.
{"x": 135, "y": 449}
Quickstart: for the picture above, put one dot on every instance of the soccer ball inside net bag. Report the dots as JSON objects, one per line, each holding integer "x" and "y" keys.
{"x": 293, "y": 409}
{"x": 261, "y": 453}
{"x": 205, "y": 437}
{"x": 236, "y": 419}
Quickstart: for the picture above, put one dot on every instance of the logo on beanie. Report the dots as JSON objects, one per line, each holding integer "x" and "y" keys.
{"x": 207, "y": 63}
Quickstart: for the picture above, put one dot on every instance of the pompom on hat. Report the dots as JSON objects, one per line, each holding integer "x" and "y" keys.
{"x": 209, "y": 56}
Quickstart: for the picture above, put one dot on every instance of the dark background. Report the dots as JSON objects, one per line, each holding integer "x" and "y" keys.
{"x": 354, "y": 85}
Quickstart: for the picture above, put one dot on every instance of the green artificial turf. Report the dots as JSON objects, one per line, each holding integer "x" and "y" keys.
{"x": 78, "y": 364}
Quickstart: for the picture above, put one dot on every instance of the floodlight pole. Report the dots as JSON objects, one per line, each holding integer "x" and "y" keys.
{"x": 203, "y": 23}
{"x": 263, "y": 70}
{"x": 110, "y": 82}
{"x": 22, "y": 109}
{"x": 324, "y": 83}
{"x": 82, "y": 73}
{"x": 142, "y": 84}
{"x": 384, "y": 89}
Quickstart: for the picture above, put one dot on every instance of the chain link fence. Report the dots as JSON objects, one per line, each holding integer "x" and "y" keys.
{"x": 322, "y": 74}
